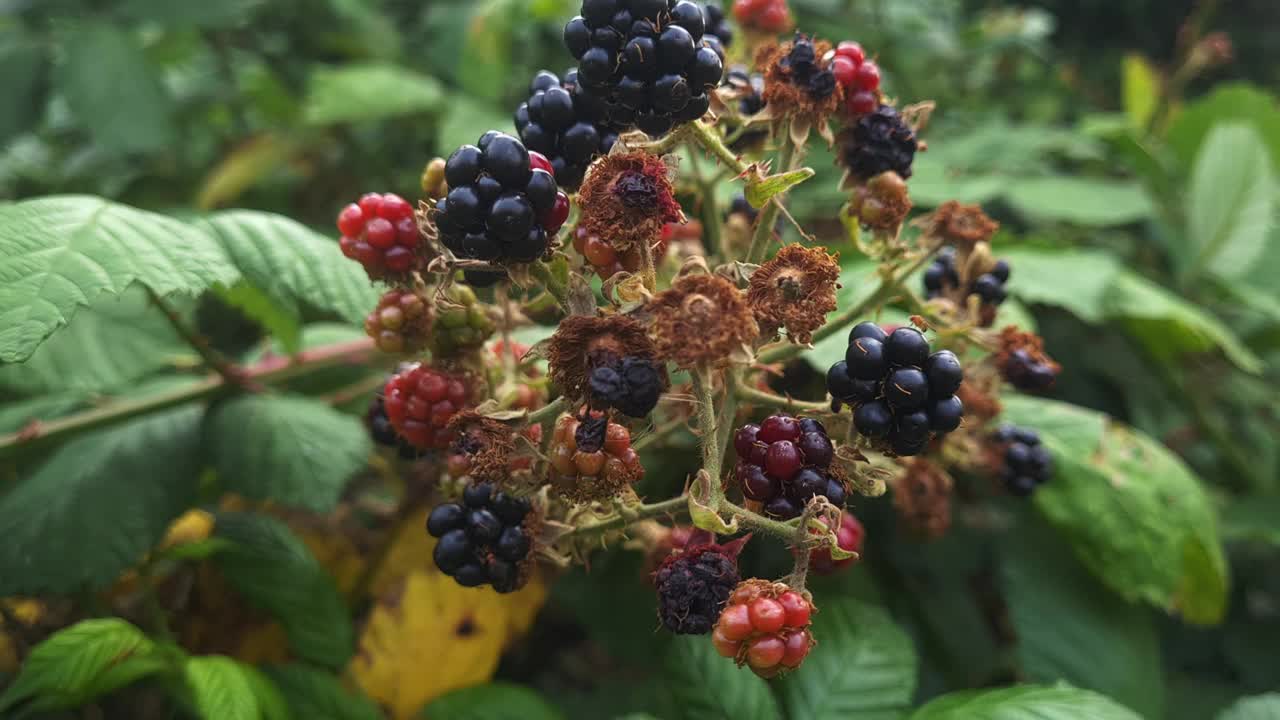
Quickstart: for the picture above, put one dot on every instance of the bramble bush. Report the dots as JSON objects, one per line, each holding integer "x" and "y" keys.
{"x": 771, "y": 361}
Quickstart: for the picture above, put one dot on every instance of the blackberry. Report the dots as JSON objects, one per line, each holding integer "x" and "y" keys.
{"x": 902, "y": 395}
{"x": 632, "y": 385}
{"x": 1025, "y": 372}
{"x": 485, "y": 539}
{"x": 765, "y": 626}
{"x": 401, "y": 323}
{"x": 942, "y": 278}
{"x": 803, "y": 68}
{"x": 693, "y": 587}
{"x": 561, "y": 123}
{"x": 880, "y": 141}
{"x": 380, "y": 233}
{"x": 785, "y": 461}
{"x": 420, "y": 402}
{"x": 592, "y": 458}
{"x": 383, "y": 433}
{"x": 645, "y": 63}
{"x": 503, "y": 204}
{"x": 717, "y": 24}
{"x": 1024, "y": 464}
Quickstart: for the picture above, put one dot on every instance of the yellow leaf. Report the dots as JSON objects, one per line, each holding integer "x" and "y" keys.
{"x": 243, "y": 168}
{"x": 191, "y": 526}
{"x": 410, "y": 552}
{"x": 1141, "y": 85}
{"x": 25, "y": 611}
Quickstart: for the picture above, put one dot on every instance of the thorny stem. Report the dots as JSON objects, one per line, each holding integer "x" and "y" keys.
{"x": 231, "y": 373}
{"x": 673, "y": 506}
{"x": 800, "y": 543}
{"x": 662, "y": 432}
{"x": 760, "y": 397}
{"x": 711, "y": 141}
{"x": 768, "y": 217}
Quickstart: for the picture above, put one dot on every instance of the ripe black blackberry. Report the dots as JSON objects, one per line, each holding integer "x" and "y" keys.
{"x": 631, "y": 385}
{"x": 750, "y": 87}
{"x": 485, "y": 539}
{"x": 1025, "y": 372}
{"x": 693, "y": 587}
{"x": 803, "y": 69}
{"x": 941, "y": 277}
{"x": 901, "y": 394}
{"x": 717, "y": 24}
{"x": 647, "y": 61}
{"x": 558, "y": 122}
{"x": 1024, "y": 464}
{"x": 878, "y": 142}
{"x": 503, "y": 204}
{"x": 785, "y": 461}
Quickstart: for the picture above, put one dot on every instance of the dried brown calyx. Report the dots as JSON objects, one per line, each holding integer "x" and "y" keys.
{"x": 922, "y": 498}
{"x": 627, "y": 198}
{"x": 482, "y": 447}
{"x": 961, "y": 225}
{"x": 1022, "y": 360}
{"x": 799, "y": 90}
{"x": 701, "y": 319}
{"x": 882, "y": 203}
{"x": 583, "y": 343}
{"x": 795, "y": 290}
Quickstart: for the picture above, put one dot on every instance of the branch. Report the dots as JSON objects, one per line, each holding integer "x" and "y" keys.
{"x": 231, "y": 373}
{"x": 760, "y": 397}
{"x": 629, "y": 516}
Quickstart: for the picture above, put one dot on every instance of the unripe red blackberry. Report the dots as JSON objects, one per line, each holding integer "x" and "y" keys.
{"x": 592, "y": 458}
{"x": 485, "y": 539}
{"x": 382, "y": 432}
{"x": 421, "y": 401}
{"x": 785, "y": 461}
{"x": 766, "y": 16}
{"x": 765, "y": 626}
{"x": 381, "y": 234}
{"x": 693, "y": 586}
{"x": 401, "y": 323}
{"x": 849, "y": 537}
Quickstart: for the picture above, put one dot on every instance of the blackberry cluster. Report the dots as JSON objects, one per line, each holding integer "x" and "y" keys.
{"x": 631, "y": 385}
{"x": 401, "y": 323}
{"x": 902, "y": 395}
{"x": 592, "y": 456}
{"x": 420, "y": 402}
{"x": 382, "y": 432}
{"x": 693, "y": 587}
{"x": 1025, "y": 463}
{"x": 941, "y": 277}
{"x": 1025, "y": 372}
{"x": 462, "y": 324}
{"x": 484, "y": 539}
{"x": 878, "y": 142}
{"x": 765, "y": 626}
{"x": 783, "y": 462}
{"x": 502, "y": 207}
{"x": 380, "y": 233}
{"x": 803, "y": 69}
{"x": 717, "y": 25}
{"x": 645, "y": 61}
{"x": 557, "y": 122}
{"x": 607, "y": 261}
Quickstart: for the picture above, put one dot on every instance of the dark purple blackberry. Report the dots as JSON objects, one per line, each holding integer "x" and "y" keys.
{"x": 500, "y": 209}
{"x": 647, "y": 62}
{"x": 561, "y": 122}
{"x": 693, "y": 587}
{"x": 1025, "y": 464}
{"x": 902, "y": 395}
{"x": 1027, "y": 373}
{"x": 750, "y": 86}
{"x": 631, "y": 385}
{"x": 880, "y": 141}
{"x": 941, "y": 278}
{"x": 785, "y": 461}
{"x": 803, "y": 69}
{"x": 717, "y": 24}
{"x": 482, "y": 540}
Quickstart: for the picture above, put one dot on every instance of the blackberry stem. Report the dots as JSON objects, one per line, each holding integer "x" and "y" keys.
{"x": 231, "y": 373}
{"x": 672, "y": 506}
{"x": 760, "y": 397}
{"x": 763, "y": 234}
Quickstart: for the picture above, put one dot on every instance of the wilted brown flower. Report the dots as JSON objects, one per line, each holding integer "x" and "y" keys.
{"x": 788, "y": 99}
{"x": 795, "y": 290}
{"x": 961, "y": 225}
{"x": 581, "y": 343}
{"x": 627, "y": 198}
{"x": 483, "y": 445}
{"x": 922, "y": 497}
{"x": 979, "y": 399}
{"x": 701, "y": 319}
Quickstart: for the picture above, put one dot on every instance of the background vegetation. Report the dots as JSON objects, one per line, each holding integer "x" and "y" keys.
{"x": 1135, "y": 178}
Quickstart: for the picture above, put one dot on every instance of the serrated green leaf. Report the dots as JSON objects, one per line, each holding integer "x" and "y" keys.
{"x": 274, "y": 570}
{"x": 759, "y": 191}
{"x": 295, "y": 266}
{"x": 98, "y": 504}
{"x": 1070, "y": 629}
{"x": 1226, "y": 103}
{"x": 1230, "y": 203}
{"x": 317, "y": 695}
{"x": 114, "y": 91}
{"x": 84, "y": 661}
{"x": 367, "y": 92}
{"x": 698, "y": 684}
{"x": 60, "y": 253}
{"x": 863, "y": 667}
{"x": 1141, "y": 89}
{"x": 1134, "y": 513}
{"x": 1077, "y": 281}
{"x": 494, "y": 701}
{"x": 1258, "y": 707}
{"x": 1080, "y": 200}
{"x": 24, "y": 70}
{"x": 220, "y": 688}
{"x": 107, "y": 346}
{"x": 292, "y": 450}
{"x": 1025, "y": 702}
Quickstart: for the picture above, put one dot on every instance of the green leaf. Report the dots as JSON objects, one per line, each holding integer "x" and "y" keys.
{"x": 698, "y": 684}
{"x": 1227, "y": 103}
{"x": 759, "y": 190}
{"x": 1230, "y": 203}
{"x": 221, "y": 689}
{"x": 184, "y": 15}
{"x": 274, "y": 571}
{"x": 495, "y": 701}
{"x": 294, "y": 266}
{"x": 24, "y": 70}
{"x": 16, "y": 415}
{"x": 114, "y": 91}
{"x": 271, "y": 702}
{"x": 1024, "y": 702}
{"x": 84, "y": 661}
{"x": 109, "y": 345}
{"x": 1082, "y": 201}
{"x": 98, "y": 504}
{"x": 1251, "y": 518}
{"x": 62, "y": 252}
{"x": 1134, "y": 513}
{"x": 1070, "y": 629}
{"x": 1258, "y": 707}
{"x": 1077, "y": 281}
{"x": 369, "y": 91}
{"x": 462, "y": 119}
{"x": 317, "y": 695}
{"x": 864, "y": 666}
{"x": 1141, "y": 89}
{"x": 282, "y": 323}
{"x": 292, "y": 450}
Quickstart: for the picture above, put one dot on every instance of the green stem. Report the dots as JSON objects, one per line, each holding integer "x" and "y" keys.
{"x": 756, "y": 521}
{"x": 232, "y": 373}
{"x": 760, "y": 397}
{"x": 557, "y": 289}
{"x": 711, "y": 141}
{"x": 768, "y": 217}
{"x": 550, "y": 411}
{"x": 673, "y": 506}
{"x": 707, "y": 425}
